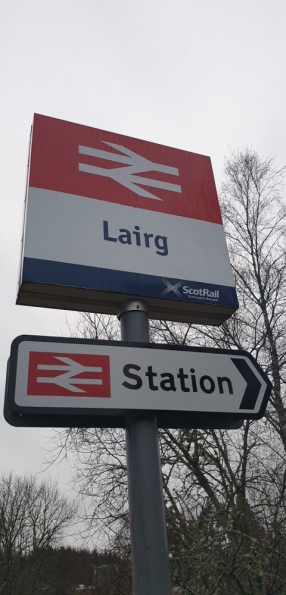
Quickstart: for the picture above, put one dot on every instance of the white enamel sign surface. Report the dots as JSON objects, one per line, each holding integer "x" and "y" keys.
{"x": 74, "y": 375}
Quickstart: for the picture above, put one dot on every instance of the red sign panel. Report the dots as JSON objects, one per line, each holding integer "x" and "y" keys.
{"x": 68, "y": 375}
{"x": 101, "y": 165}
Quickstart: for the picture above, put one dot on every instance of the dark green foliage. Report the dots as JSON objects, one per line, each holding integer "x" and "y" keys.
{"x": 70, "y": 571}
{"x": 33, "y": 518}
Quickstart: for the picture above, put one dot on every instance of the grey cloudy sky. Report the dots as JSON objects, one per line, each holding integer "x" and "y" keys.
{"x": 200, "y": 76}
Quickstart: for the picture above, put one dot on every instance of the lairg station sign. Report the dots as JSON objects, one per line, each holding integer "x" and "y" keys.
{"x": 109, "y": 217}
{"x": 117, "y": 225}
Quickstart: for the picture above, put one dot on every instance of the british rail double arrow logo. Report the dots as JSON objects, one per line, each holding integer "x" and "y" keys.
{"x": 127, "y": 176}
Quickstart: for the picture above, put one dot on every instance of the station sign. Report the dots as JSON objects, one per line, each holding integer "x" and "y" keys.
{"x": 51, "y": 376}
{"x": 109, "y": 217}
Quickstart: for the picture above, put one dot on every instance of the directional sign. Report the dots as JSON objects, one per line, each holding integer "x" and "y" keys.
{"x": 109, "y": 217}
{"x": 53, "y": 376}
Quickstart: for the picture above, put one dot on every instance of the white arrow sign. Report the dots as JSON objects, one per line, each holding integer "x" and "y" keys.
{"x": 133, "y": 377}
{"x": 127, "y": 176}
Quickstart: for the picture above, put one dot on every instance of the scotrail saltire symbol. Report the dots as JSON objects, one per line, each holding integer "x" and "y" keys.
{"x": 127, "y": 176}
{"x": 171, "y": 288}
{"x": 67, "y": 379}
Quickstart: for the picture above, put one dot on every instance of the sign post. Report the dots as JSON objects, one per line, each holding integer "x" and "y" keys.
{"x": 149, "y": 550}
{"x": 115, "y": 224}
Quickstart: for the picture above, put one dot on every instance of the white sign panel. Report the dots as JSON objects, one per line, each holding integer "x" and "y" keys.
{"x": 60, "y": 375}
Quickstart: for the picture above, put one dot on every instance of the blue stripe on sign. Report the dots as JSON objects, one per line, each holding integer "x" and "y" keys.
{"x": 79, "y": 276}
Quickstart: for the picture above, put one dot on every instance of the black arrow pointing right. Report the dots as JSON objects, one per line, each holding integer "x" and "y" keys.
{"x": 253, "y": 384}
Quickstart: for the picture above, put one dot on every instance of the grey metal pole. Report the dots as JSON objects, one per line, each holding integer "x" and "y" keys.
{"x": 149, "y": 551}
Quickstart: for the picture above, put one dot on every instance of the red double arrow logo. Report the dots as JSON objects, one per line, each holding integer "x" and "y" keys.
{"x": 60, "y": 374}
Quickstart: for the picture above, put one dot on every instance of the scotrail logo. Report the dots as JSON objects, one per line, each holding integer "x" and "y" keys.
{"x": 203, "y": 292}
{"x": 190, "y": 292}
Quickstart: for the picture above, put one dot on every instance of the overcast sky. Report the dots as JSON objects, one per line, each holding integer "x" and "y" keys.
{"x": 201, "y": 76}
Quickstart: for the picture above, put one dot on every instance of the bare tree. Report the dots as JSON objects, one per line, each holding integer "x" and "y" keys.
{"x": 242, "y": 474}
{"x": 224, "y": 491}
{"x": 254, "y": 217}
{"x": 33, "y": 517}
